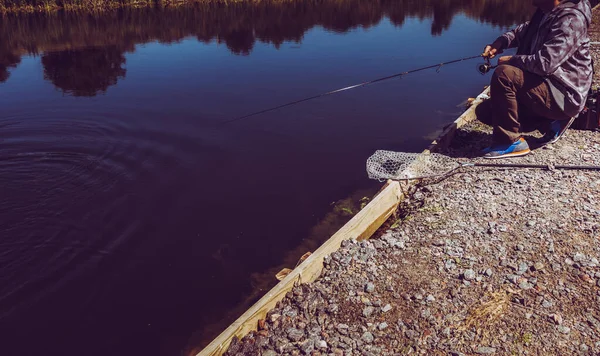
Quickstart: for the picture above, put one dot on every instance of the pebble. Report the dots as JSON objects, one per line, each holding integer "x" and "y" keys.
{"x": 583, "y": 348}
{"x": 578, "y": 257}
{"x": 488, "y": 272}
{"x": 368, "y": 311}
{"x": 525, "y": 285}
{"x": 430, "y": 298}
{"x": 469, "y": 274}
{"x": 307, "y": 346}
{"x": 523, "y": 267}
{"x": 484, "y": 350}
{"x": 564, "y": 329}
{"x": 295, "y": 334}
{"x": 546, "y": 304}
{"x": 386, "y": 308}
{"x": 369, "y": 287}
{"x": 382, "y": 326}
{"x": 269, "y": 353}
{"x": 367, "y": 337}
{"x": 322, "y": 344}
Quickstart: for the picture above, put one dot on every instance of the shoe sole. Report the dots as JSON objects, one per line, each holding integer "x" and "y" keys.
{"x": 509, "y": 155}
{"x": 554, "y": 140}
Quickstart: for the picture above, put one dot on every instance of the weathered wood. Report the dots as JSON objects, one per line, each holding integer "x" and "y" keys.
{"x": 362, "y": 226}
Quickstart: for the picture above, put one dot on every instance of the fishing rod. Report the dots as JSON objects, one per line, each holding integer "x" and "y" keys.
{"x": 483, "y": 69}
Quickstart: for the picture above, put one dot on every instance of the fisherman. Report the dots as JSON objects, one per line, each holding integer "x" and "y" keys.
{"x": 545, "y": 85}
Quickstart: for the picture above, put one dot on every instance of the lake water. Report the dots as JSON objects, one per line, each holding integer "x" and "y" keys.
{"x": 132, "y": 221}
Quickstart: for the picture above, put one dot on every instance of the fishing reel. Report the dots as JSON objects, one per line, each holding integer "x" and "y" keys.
{"x": 486, "y": 67}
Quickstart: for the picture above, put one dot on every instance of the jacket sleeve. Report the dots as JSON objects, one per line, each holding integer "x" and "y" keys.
{"x": 561, "y": 42}
{"x": 513, "y": 38}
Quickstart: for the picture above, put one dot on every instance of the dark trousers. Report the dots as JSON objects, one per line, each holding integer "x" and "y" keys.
{"x": 520, "y": 102}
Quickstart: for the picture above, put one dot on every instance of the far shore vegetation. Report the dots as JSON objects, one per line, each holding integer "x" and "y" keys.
{"x": 32, "y": 6}
{"x": 41, "y": 6}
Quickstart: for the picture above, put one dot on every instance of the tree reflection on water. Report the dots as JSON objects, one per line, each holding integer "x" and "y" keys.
{"x": 84, "y": 72}
{"x": 83, "y": 54}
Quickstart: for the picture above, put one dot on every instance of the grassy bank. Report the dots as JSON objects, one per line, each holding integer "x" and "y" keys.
{"x": 41, "y": 6}
{"x": 30, "y": 6}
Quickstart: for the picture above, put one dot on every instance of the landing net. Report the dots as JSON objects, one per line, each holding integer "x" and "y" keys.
{"x": 385, "y": 165}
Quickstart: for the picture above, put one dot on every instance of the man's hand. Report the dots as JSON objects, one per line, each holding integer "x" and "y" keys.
{"x": 504, "y": 59}
{"x": 492, "y": 50}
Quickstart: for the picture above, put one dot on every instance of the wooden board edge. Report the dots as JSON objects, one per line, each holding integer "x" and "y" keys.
{"x": 361, "y": 226}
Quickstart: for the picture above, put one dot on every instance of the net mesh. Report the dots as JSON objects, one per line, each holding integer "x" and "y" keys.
{"x": 385, "y": 165}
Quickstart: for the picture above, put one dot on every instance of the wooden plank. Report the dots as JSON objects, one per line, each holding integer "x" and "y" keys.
{"x": 362, "y": 226}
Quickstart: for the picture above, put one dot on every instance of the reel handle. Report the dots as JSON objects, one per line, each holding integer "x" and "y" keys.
{"x": 484, "y": 68}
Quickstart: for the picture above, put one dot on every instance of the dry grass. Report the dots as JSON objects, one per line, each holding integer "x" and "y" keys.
{"x": 485, "y": 314}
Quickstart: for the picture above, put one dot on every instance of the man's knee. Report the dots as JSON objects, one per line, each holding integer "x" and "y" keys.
{"x": 505, "y": 72}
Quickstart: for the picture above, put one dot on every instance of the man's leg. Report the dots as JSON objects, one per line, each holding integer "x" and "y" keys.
{"x": 507, "y": 82}
{"x": 536, "y": 98}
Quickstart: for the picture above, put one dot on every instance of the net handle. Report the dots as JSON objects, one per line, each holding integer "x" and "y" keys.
{"x": 539, "y": 166}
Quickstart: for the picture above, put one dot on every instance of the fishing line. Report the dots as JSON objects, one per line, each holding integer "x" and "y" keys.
{"x": 438, "y": 66}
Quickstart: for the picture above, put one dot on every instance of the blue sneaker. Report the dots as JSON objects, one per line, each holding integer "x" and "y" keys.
{"x": 557, "y": 129}
{"x": 517, "y": 149}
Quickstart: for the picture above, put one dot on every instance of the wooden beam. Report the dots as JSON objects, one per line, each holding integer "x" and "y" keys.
{"x": 362, "y": 226}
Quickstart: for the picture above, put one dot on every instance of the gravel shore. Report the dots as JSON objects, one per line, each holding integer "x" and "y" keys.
{"x": 485, "y": 262}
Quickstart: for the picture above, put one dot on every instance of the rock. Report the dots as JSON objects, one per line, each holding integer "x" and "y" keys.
{"x": 450, "y": 265}
{"x": 469, "y": 274}
{"x": 332, "y": 308}
{"x": 538, "y": 266}
{"x": 412, "y": 335}
{"x": 382, "y": 326}
{"x": 269, "y": 353}
{"x": 488, "y": 272}
{"x": 531, "y": 223}
{"x": 275, "y": 317}
{"x": 525, "y": 285}
{"x": 294, "y": 334}
{"x": 546, "y": 304}
{"x": 556, "y": 318}
{"x": 564, "y": 329}
{"x": 579, "y": 257}
{"x": 367, "y": 337}
{"x": 322, "y": 344}
{"x": 368, "y": 311}
{"x": 484, "y": 350}
{"x": 583, "y": 348}
{"x": 430, "y": 299}
{"x": 307, "y": 346}
{"x": 386, "y": 308}
{"x": 439, "y": 243}
{"x": 369, "y": 287}
{"x": 523, "y": 267}
{"x": 446, "y": 332}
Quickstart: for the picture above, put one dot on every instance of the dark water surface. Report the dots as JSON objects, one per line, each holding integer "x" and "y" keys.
{"x": 132, "y": 223}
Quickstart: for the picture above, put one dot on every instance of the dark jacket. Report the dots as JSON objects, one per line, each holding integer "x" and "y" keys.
{"x": 556, "y": 46}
